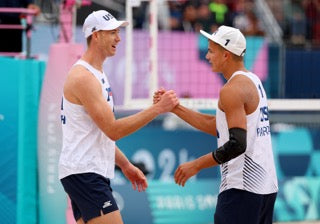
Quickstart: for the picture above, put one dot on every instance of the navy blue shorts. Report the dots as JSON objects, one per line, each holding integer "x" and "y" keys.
{"x": 90, "y": 194}
{"x": 242, "y": 207}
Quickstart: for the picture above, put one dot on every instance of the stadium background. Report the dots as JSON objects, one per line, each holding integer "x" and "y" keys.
{"x": 29, "y": 189}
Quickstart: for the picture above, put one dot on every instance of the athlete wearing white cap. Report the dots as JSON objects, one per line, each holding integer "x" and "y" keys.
{"x": 229, "y": 38}
{"x": 249, "y": 184}
{"x": 89, "y": 128}
{"x": 101, "y": 20}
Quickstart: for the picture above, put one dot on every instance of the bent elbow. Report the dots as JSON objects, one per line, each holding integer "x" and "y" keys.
{"x": 113, "y": 136}
{"x": 242, "y": 148}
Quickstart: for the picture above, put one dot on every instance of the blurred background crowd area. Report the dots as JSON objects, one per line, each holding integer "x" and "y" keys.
{"x": 299, "y": 20}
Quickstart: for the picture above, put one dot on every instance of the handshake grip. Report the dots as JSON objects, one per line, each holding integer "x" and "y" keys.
{"x": 167, "y": 100}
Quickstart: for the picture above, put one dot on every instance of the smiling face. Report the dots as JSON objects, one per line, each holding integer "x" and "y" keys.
{"x": 108, "y": 41}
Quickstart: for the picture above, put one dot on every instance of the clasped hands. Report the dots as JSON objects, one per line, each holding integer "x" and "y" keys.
{"x": 168, "y": 98}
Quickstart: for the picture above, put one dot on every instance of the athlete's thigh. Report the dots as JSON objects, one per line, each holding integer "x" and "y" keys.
{"x": 90, "y": 194}
{"x": 80, "y": 221}
{"x": 266, "y": 216}
{"x": 109, "y": 218}
{"x": 238, "y": 207}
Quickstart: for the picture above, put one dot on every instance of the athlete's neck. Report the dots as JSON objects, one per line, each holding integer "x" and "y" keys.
{"x": 232, "y": 68}
{"x": 95, "y": 60}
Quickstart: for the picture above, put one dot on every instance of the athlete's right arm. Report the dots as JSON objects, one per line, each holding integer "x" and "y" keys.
{"x": 83, "y": 88}
{"x": 203, "y": 122}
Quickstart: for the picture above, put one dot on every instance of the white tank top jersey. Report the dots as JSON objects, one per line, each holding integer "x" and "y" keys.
{"x": 254, "y": 170}
{"x": 85, "y": 148}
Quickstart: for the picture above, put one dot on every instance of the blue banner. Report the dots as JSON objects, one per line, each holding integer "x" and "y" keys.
{"x": 167, "y": 203}
{"x": 162, "y": 151}
{"x": 298, "y": 199}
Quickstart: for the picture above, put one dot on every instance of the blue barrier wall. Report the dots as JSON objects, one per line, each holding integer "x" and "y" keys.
{"x": 166, "y": 203}
{"x": 162, "y": 151}
{"x": 302, "y": 73}
{"x": 297, "y": 156}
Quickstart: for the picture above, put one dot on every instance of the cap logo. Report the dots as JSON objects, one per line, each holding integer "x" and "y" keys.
{"x": 93, "y": 29}
{"x": 107, "y": 17}
{"x": 227, "y": 41}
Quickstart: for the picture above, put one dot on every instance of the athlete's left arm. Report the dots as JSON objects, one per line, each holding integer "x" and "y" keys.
{"x": 231, "y": 101}
{"x": 191, "y": 168}
{"x": 134, "y": 175}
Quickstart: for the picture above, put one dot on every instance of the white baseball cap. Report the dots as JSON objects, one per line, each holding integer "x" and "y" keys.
{"x": 100, "y": 20}
{"x": 229, "y": 38}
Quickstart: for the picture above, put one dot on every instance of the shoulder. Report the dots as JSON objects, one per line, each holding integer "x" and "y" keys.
{"x": 240, "y": 80}
{"x": 242, "y": 86}
{"x": 241, "y": 91}
{"x": 234, "y": 87}
{"x": 236, "y": 92}
{"x": 80, "y": 83}
{"x": 79, "y": 76}
{"x": 230, "y": 96}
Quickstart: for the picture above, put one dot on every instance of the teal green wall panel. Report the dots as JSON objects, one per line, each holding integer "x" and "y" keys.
{"x": 20, "y": 85}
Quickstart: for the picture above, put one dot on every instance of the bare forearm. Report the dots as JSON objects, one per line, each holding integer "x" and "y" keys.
{"x": 116, "y": 129}
{"x": 191, "y": 168}
{"x": 127, "y": 125}
{"x": 203, "y": 122}
{"x": 205, "y": 161}
{"x": 120, "y": 159}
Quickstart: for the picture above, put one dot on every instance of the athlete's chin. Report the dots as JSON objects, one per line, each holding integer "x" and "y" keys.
{"x": 111, "y": 53}
{"x": 213, "y": 69}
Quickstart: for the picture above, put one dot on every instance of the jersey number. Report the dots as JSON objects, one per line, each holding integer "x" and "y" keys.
{"x": 264, "y": 114}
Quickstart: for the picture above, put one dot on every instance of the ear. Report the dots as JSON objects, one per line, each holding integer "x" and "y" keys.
{"x": 226, "y": 54}
{"x": 94, "y": 35}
